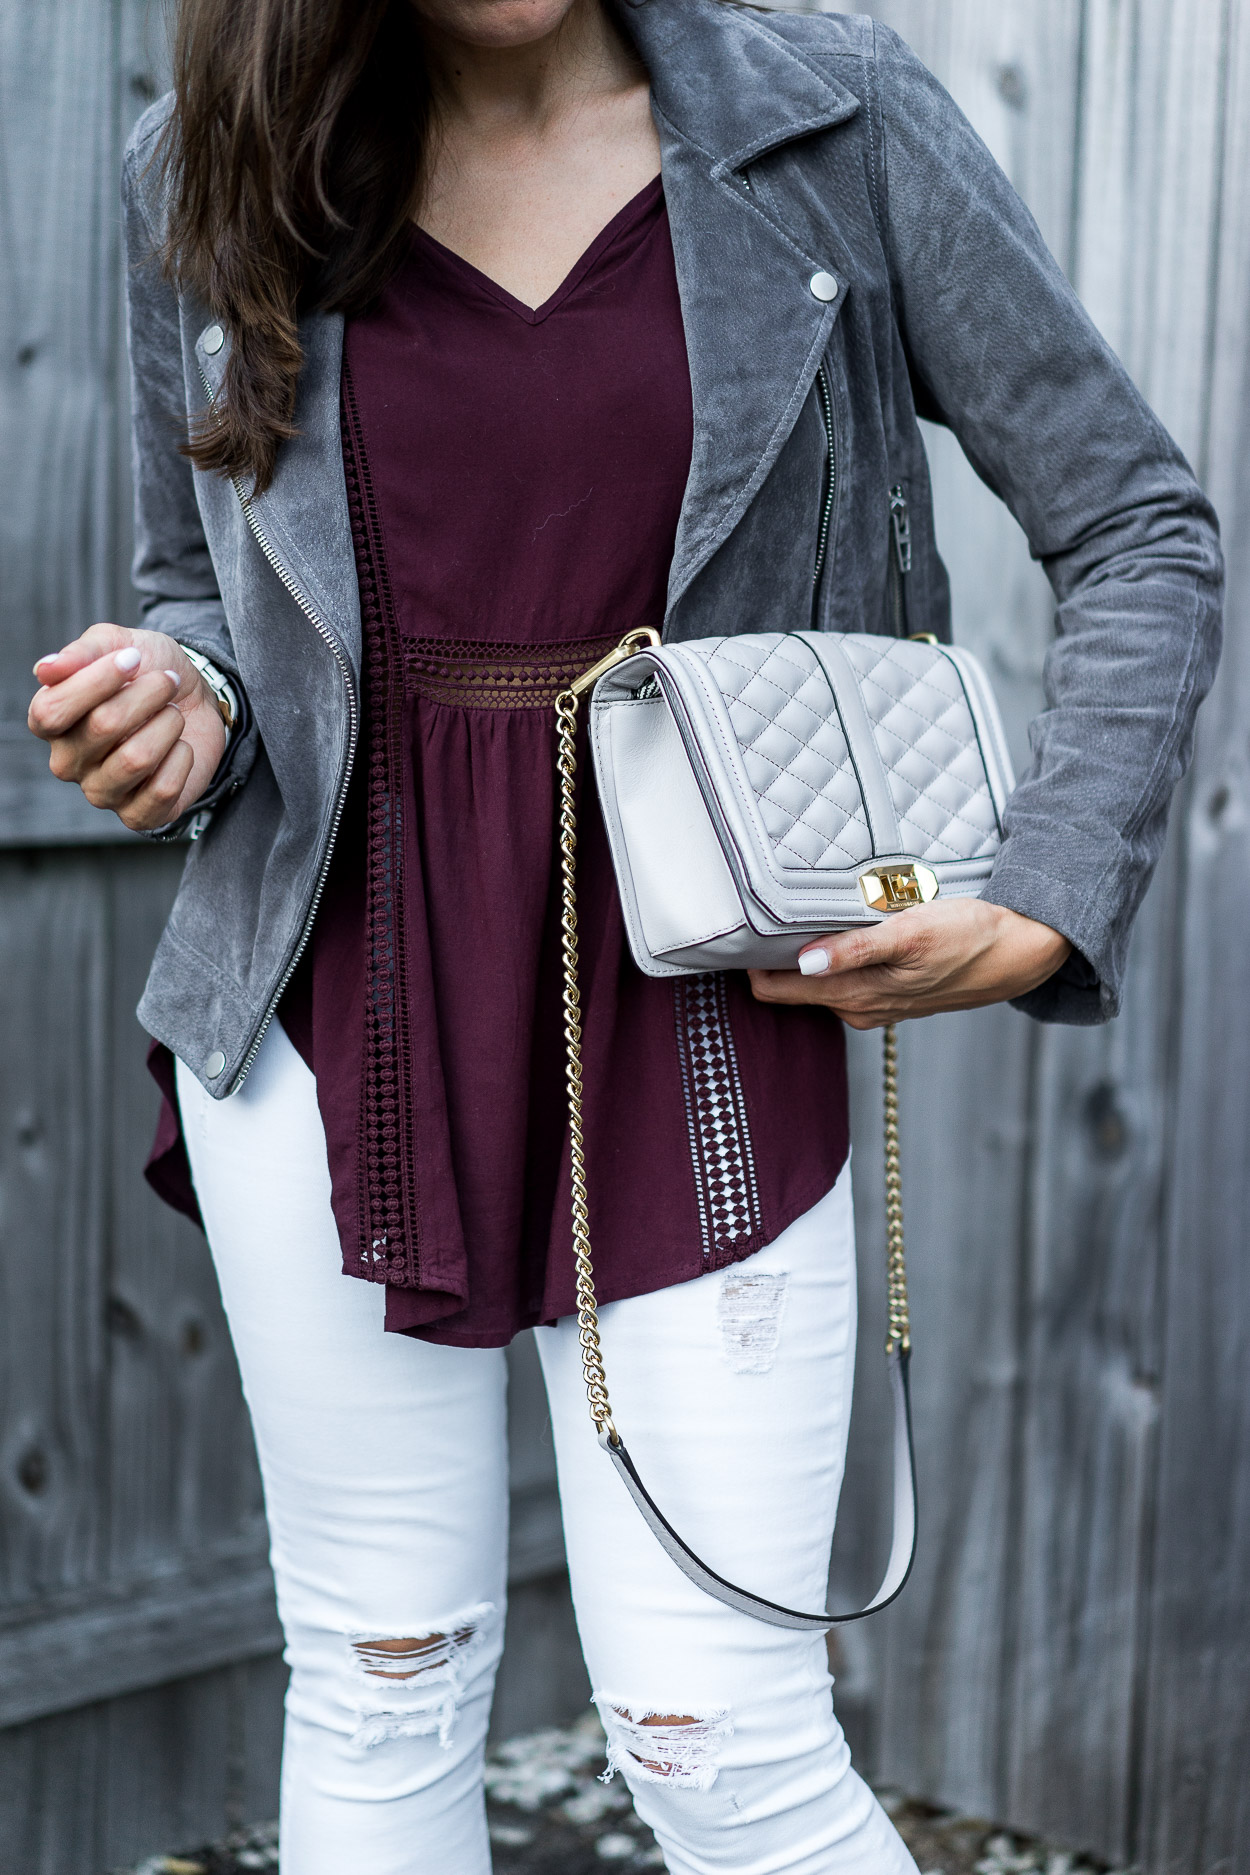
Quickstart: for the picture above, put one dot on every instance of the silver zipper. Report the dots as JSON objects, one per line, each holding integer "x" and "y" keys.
{"x": 323, "y": 631}
{"x": 825, "y": 393}
{"x": 900, "y": 558}
{"x": 901, "y": 524}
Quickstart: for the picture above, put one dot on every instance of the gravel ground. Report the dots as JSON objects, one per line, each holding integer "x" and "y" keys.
{"x": 550, "y": 1815}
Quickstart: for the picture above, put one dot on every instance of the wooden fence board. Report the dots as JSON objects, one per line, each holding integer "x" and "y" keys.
{"x": 52, "y": 976}
{"x": 179, "y": 1582}
{"x": 542, "y": 1677}
{"x": 170, "y": 1770}
{"x": 1088, "y": 1426}
{"x": 181, "y": 1763}
{"x": 100, "y": 1787}
{"x": 939, "y": 1651}
{"x": 1147, "y": 222}
{"x": 1195, "y": 1793}
{"x": 1141, "y": 258}
{"x": 262, "y": 1689}
{"x": 50, "y": 1784}
{"x": 182, "y": 1474}
{"x": 535, "y": 1535}
{"x": 60, "y": 351}
{"x": 938, "y": 1723}
{"x": 1110, "y": 119}
{"x": 116, "y": 1639}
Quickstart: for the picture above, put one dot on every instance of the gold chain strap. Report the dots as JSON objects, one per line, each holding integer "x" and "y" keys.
{"x": 898, "y": 1339}
{"x": 587, "y": 1309}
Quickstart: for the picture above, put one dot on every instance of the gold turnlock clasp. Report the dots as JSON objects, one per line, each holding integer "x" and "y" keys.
{"x": 633, "y": 642}
{"x": 893, "y": 888}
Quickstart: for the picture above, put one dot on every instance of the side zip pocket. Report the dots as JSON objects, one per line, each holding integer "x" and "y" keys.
{"x": 824, "y": 393}
{"x": 900, "y": 559}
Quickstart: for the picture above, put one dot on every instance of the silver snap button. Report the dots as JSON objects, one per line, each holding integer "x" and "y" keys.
{"x": 214, "y": 1065}
{"x": 214, "y": 338}
{"x": 823, "y": 287}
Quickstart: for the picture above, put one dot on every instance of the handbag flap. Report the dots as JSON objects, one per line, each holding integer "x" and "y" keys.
{"x": 763, "y": 727}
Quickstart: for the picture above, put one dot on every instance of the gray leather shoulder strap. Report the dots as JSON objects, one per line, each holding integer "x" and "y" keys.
{"x": 902, "y": 1546}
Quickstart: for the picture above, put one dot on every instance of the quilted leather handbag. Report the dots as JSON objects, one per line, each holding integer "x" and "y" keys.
{"x": 760, "y": 791}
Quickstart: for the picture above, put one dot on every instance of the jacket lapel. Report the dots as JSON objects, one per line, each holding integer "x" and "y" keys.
{"x": 303, "y": 514}
{"x": 725, "y": 90}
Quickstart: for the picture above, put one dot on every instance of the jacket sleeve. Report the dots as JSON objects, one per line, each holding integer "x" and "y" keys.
{"x": 1001, "y": 351}
{"x": 172, "y": 569}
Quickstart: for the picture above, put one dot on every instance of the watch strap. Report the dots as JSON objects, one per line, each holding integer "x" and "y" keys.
{"x": 218, "y": 684}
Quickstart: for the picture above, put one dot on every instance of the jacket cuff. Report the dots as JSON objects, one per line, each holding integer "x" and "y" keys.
{"x": 1073, "y": 995}
{"x": 1086, "y": 988}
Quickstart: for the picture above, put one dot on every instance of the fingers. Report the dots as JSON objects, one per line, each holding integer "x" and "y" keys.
{"x": 158, "y": 800}
{"x": 96, "y": 642}
{"x": 111, "y": 706}
{"x": 893, "y": 941}
{"x": 63, "y": 701}
{"x": 113, "y": 781}
{"x": 868, "y": 976}
{"x": 842, "y": 955}
{"x": 98, "y": 665}
{"x": 864, "y": 999}
{"x": 955, "y": 954}
{"x": 80, "y": 743}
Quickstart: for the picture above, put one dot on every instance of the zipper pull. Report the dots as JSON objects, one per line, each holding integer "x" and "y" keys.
{"x": 900, "y": 521}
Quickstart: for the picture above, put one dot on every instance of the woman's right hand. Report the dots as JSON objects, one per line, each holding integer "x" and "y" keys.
{"x": 130, "y": 719}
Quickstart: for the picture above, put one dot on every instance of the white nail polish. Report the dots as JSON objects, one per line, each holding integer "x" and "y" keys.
{"x": 174, "y": 678}
{"x": 127, "y": 660}
{"x": 814, "y": 963}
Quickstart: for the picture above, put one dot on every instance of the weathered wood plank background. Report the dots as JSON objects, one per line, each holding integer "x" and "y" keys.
{"x": 1074, "y": 1653}
{"x": 140, "y": 1688}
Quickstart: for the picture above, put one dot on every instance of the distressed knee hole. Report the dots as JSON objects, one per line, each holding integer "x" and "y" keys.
{"x": 411, "y": 1684}
{"x": 748, "y": 1313}
{"x": 682, "y": 1749}
{"x": 387, "y": 1660}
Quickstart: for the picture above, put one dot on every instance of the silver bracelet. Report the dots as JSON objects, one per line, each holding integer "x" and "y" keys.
{"x": 219, "y": 685}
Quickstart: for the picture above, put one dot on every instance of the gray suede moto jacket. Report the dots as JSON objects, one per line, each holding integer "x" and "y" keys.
{"x": 836, "y": 224}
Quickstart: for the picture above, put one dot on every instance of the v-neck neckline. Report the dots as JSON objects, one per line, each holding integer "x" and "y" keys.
{"x": 534, "y": 315}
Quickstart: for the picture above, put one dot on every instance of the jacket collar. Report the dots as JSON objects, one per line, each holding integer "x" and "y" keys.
{"x": 726, "y": 89}
{"x": 727, "y": 81}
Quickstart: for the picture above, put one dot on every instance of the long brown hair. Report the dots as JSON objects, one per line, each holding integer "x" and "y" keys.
{"x": 292, "y": 160}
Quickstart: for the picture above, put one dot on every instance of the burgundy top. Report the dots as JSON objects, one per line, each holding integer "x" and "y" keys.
{"x": 515, "y": 478}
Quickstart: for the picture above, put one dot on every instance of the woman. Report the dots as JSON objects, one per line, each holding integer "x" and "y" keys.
{"x": 465, "y": 335}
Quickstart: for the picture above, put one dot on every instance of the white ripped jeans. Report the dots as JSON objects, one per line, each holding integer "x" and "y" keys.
{"x": 385, "y": 1470}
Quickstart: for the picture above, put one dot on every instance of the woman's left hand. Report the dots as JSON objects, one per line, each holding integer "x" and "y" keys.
{"x": 953, "y": 954}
